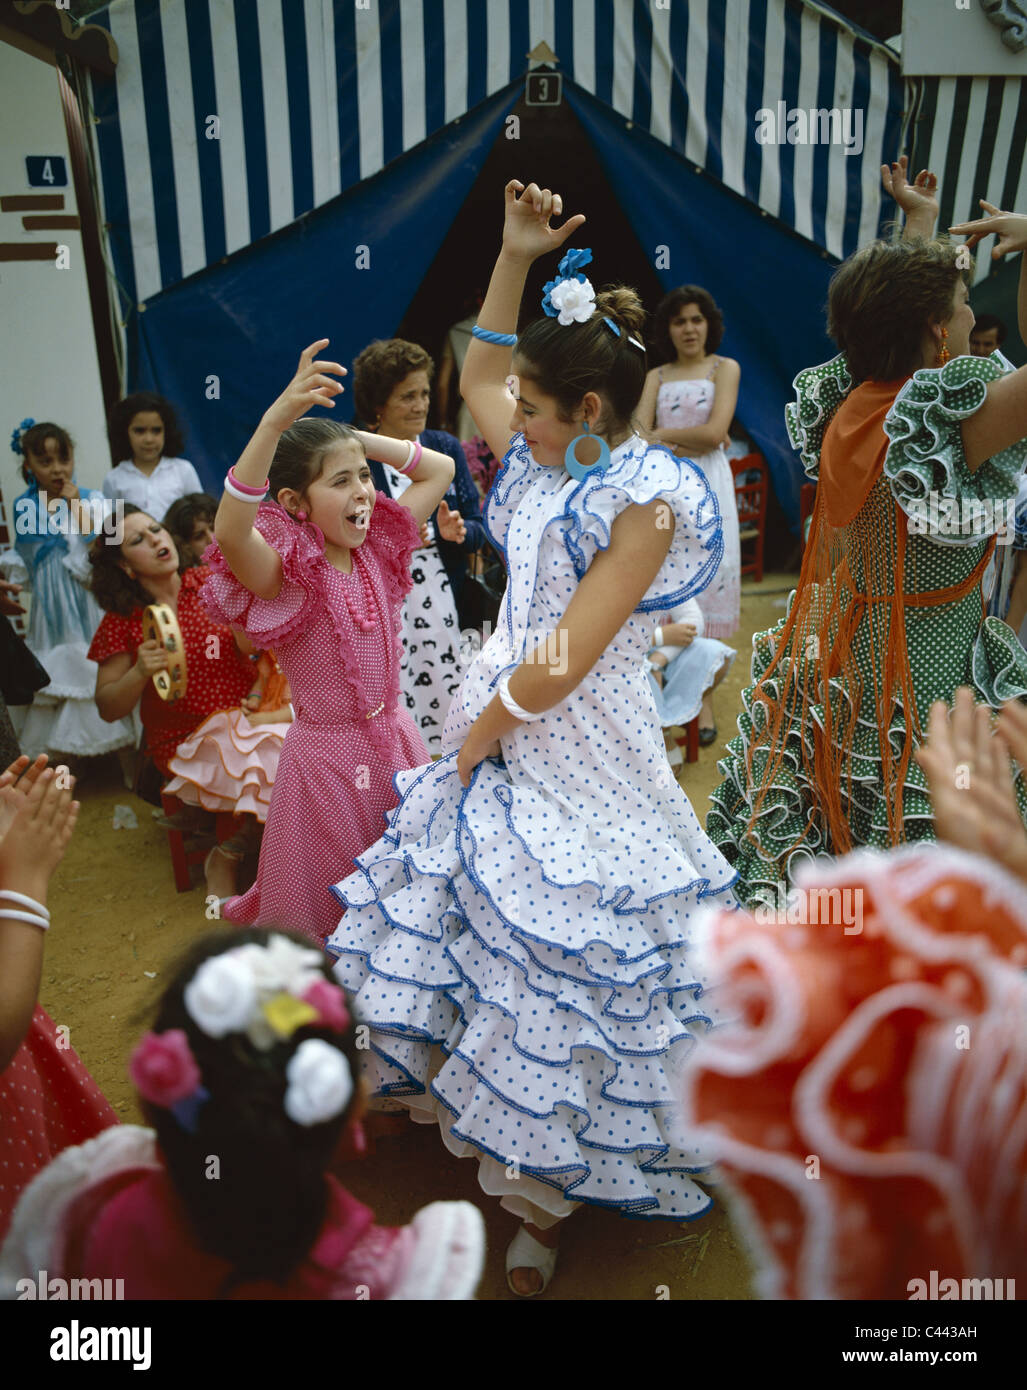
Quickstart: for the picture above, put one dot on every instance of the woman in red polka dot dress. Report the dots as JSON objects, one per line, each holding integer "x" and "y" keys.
{"x": 48, "y": 1101}
{"x": 320, "y": 574}
{"x": 144, "y": 569}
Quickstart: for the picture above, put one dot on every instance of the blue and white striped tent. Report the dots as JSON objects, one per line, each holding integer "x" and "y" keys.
{"x": 238, "y": 131}
{"x": 313, "y": 96}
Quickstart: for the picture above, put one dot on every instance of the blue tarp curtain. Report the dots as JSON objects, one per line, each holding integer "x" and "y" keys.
{"x": 244, "y": 322}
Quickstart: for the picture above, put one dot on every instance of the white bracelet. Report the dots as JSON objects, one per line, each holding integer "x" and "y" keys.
{"x": 658, "y": 636}
{"x": 233, "y": 491}
{"x": 25, "y": 901}
{"x": 41, "y": 922}
{"x": 511, "y": 706}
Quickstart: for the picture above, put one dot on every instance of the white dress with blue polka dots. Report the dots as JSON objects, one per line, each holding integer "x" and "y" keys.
{"x": 519, "y": 947}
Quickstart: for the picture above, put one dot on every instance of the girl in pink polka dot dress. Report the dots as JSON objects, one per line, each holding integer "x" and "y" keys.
{"x": 48, "y": 1101}
{"x": 320, "y": 573}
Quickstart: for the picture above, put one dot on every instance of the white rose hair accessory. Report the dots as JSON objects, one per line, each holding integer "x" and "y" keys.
{"x": 265, "y": 992}
{"x": 571, "y": 298}
{"x": 320, "y": 1083}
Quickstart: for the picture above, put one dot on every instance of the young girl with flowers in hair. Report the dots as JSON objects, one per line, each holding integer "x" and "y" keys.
{"x": 251, "y": 1064}
{"x": 311, "y": 561}
{"x": 519, "y": 938}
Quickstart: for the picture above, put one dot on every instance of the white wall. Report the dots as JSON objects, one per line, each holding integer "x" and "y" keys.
{"x": 48, "y": 366}
{"x": 955, "y": 38}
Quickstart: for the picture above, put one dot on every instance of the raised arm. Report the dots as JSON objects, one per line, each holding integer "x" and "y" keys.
{"x": 526, "y": 236}
{"x": 1002, "y": 419}
{"x": 429, "y": 481}
{"x": 255, "y": 564}
{"x": 918, "y": 200}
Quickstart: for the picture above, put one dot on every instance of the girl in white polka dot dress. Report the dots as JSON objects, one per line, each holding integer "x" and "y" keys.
{"x": 518, "y": 940}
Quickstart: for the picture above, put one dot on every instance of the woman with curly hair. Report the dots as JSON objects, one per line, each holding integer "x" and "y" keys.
{"x": 919, "y": 448}
{"x": 144, "y": 569}
{"x": 392, "y": 391}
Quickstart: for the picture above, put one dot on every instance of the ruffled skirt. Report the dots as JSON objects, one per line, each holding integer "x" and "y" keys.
{"x": 948, "y": 647}
{"x": 228, "y": 764}
{"x": 527, "y": 995}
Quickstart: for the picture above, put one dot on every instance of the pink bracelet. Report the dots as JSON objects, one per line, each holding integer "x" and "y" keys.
{"x": 414, "y": 459}
{"x": 248, "y": 488}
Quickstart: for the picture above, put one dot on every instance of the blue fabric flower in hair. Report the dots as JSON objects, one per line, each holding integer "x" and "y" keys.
{"x": 17, "y": 432}
{"x": 570, "y": 297}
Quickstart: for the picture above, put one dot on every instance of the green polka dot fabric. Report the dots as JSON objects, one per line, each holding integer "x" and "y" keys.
{"x": 948, "y": 645}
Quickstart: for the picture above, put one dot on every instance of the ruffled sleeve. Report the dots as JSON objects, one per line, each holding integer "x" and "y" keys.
{"x": 276, "y": 621}
{"x": 925, "y": 463}
{"x": 115, "y": 634}
{"x": 516, "y": 475}
{"x": 393, "y": 536}
{"x": 641, "y": 476}
{"x": 819, "y": 391}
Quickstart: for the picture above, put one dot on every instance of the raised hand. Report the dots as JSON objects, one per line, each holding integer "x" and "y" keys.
{"x": 309, "y": 387}
{"x": 40, "y": 816}
{"x": 526, "y": 231}
{"x": 1009, "y": 227}
{"x": 971, "y": 779}
{"x": 918, "y": 197}
{"x": 450, "y": 524}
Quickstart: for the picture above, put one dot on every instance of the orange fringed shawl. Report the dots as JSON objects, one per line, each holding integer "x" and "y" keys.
{"x": 853, "y": 589}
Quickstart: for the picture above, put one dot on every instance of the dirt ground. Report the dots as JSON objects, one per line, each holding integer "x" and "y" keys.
{"x": 119, "y": 925}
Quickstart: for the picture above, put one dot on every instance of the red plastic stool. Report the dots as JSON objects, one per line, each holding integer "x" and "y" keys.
{"x": 182, "y": 859}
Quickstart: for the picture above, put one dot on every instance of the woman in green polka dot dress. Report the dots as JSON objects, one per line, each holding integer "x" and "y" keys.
{"x": 917, "y": 449}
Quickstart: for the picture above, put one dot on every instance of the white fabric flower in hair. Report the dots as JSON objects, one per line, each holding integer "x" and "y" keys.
{"x": 222, "y": 995}
{"x": 281, "y": 965}
{"x": 320, "y": 1083}
{"x": 574, "y": 301}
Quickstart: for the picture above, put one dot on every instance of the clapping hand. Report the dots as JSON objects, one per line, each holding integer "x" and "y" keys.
{"x": 970, "y": 775}
{"x": 1009, "y": 227}
{"x": 450, "y": 524}
{"x": 309, "y": 387}
{"x": 526, "y": 231}
{"x": 37, "y": 816}
{"x": 917, "y": 197}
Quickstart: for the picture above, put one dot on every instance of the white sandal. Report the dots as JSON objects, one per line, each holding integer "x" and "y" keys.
{"x": 525, "y": 1252}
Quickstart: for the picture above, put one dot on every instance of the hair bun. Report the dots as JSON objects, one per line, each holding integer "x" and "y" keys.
{"x": 622, "y": 304}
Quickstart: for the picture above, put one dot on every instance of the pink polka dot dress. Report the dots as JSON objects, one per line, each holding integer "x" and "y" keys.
{"x": 337, "y": 640}
{"x": 48, "y": 1102}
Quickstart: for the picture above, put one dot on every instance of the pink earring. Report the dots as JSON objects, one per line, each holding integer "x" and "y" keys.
{"x": 301, "y": 516}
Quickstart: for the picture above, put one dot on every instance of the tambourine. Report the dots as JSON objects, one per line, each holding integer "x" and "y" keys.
{"x": 161, "y": 625}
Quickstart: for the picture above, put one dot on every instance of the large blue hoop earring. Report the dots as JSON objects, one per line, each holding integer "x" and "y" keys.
{"x": 577, "y": 470}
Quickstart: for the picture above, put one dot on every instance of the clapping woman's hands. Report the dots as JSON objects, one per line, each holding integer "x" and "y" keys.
{"x": 970, "y": 775}
{"x": 450, "y": 524}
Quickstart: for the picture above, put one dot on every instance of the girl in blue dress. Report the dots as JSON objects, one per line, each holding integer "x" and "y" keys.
{"x": 54, "y": 522}
{"x": 519, "y": 939}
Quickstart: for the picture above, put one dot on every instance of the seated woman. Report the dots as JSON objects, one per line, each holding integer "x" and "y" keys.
{"x": 917, "y": 457}
{"x": 145, "y": 569}
{"x": 392, "y": 390}
{"x": 685, "y": 667}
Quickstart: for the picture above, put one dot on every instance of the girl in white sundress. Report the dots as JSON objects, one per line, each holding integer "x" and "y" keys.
{"x": 688, "y": 404}
{"x": 518, "y": 941}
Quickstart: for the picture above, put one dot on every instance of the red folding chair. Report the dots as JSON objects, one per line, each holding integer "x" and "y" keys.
{"x": 751, "y": 500}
